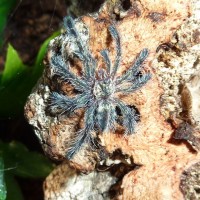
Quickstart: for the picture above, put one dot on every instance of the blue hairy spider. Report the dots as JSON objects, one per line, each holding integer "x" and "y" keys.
{"x": 97, "y": 89}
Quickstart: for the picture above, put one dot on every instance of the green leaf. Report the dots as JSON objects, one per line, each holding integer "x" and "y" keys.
{"x": 38, "y": 69}
{"x": 2, "y": 182}
{"x": 14, "y": 86}
{"x": 19, "y": 161}
{"x": 13, "y": 67}
{"x": 25, "y": 163}
{"x": 17, "y": 80}
{"x": 13, "y": 189}
{"x": 5, "y": 8}
{"x": 43, "y": 48}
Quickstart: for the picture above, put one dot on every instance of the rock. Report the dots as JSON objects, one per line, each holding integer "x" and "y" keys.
{"x": 160, "y": 158}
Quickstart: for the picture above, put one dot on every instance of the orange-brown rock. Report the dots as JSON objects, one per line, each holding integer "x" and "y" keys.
{"x": 162, "y": 159}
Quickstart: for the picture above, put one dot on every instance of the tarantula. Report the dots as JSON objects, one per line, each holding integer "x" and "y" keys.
{"x": 97, "y": 89}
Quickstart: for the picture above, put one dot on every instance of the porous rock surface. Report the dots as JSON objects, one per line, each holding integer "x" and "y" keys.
{"x": 72, "y": 184}
{"x": 162, "y": 159}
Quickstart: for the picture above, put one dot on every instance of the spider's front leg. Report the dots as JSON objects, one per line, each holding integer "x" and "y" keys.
{"x": 106, "y": 58}
{"x": 82, "y": 52}
{"x": 135, "y": 69}
{"x": 62, "y": 70}
{"x": 115, "y": 36}
{"x": 134, "y": 79}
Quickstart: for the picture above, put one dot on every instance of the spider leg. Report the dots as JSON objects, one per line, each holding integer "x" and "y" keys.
{"x": 129, "y": 117}
{"x": 115, "y": 36}
{"x": 106, "y": 58}
{"x": 84, "y": 135}
{"x": 106, "y": 116}
{"x": 136, "y": 83}
{"x": 61, "y": 69}
{"x": 89, "y": 63}
{"x": 135, "y": 68}
{"x": 61, "y": 104}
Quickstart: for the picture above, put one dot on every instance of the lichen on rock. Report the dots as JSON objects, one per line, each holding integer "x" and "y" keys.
{"x": 73, "y": 185}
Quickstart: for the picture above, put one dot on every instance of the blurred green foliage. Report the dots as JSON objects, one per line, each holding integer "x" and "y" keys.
{"x": 19, "y": 161}
{"x": 16, "y": 83}
{"x": 17, "y": 80}
{"x": 2, "y": 182}
{"x": 5, "y": 7}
